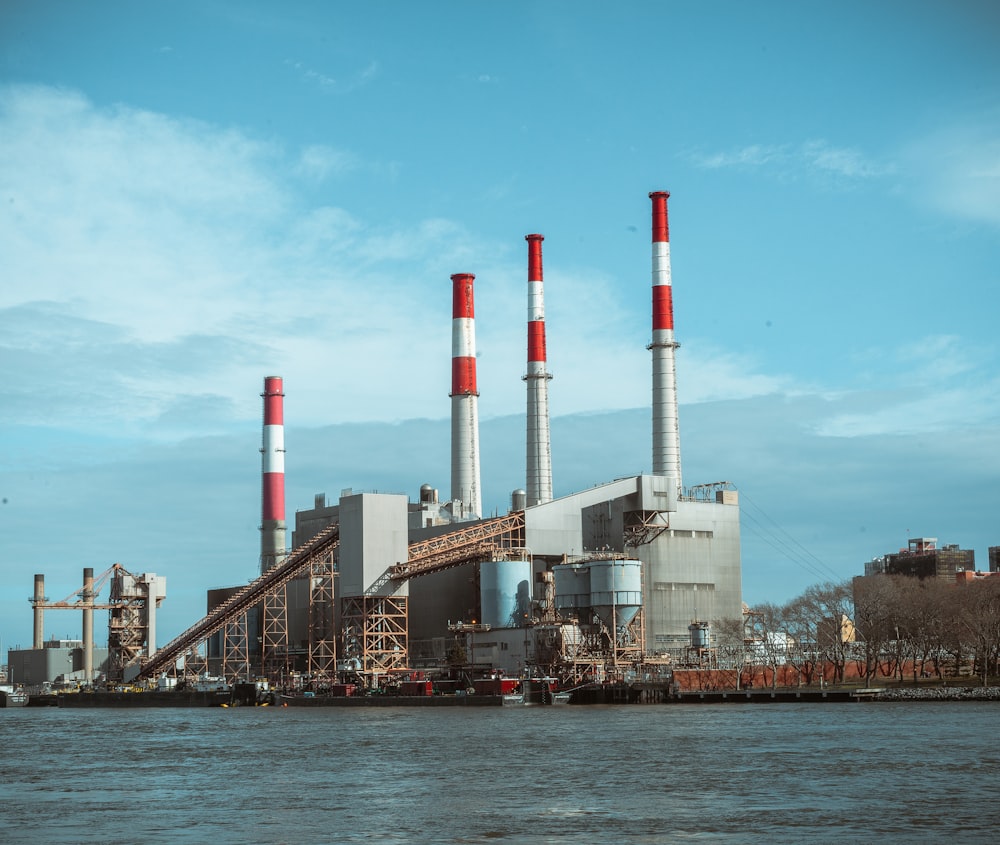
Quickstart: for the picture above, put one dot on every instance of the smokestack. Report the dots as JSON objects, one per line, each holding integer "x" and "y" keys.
{"x": 539, "y": 463}
{"x": 38, "y": 613}
{"x": 464, "y": 398}
{"x": 88, "y": 624}
{"x": 666, "y": 430}
{"x": 272, "y": 526}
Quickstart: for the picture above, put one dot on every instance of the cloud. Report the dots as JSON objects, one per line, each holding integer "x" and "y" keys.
{"x": 814, "y": 158}
{"x": 954, "y": 169}
{"x": 149, "y": 260}
{"x": 346, "y": 84}
{"x": 318, "y": 162}
{"x": 957, "y": 169}
{"x": 935, "y": 384}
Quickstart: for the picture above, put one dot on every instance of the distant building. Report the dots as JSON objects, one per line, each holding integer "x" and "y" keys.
{"x": 994, "y": 558}
{"x": 58, "y": 661}
{"x": 968, "y": 575}
{"x": 923, "y": 559}
{"x": 832, "y": 632}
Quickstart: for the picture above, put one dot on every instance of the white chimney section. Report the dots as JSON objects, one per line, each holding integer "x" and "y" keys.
{"x": 465, "y": 485}
{"x": 539, "y": 463}
{"x": 666, "y": 429}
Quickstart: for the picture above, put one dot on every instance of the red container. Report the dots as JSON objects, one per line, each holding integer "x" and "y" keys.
{"x": 495, "y": 686}
{"x": 416, "y": 688}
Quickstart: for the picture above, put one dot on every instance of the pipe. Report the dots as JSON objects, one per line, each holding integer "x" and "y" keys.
{"x": 272, "y": 525}
{"x": 538, "y": 485}
{"x": 465, "y": 483}
{"x": 666, "y": 429}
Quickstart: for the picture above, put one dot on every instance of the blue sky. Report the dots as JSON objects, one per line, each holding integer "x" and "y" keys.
{"x": 196, "y": 195}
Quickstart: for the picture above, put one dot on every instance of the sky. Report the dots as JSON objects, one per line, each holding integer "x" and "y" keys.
{"x": 194, "y": 195}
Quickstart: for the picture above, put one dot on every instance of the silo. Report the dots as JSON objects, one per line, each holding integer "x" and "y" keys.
{"x": 572, "y": 587}
{"x": 505, "y": 592}
{"x": 616, "y": 591}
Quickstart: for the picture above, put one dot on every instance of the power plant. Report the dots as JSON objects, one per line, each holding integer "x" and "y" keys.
{"x": 595, "y": 586}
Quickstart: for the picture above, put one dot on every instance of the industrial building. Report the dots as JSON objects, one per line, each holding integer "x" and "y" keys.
{"x": 585, "y": 586}
{"x": 131, "y": 608}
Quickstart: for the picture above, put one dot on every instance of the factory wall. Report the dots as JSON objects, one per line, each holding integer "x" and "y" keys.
{"x": 436, "y": 600}
{"x": 691, "y": 572}
{"x": 373, "y": 537}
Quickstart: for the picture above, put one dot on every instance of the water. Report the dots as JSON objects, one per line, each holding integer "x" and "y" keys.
{"x": 778, "y": 773}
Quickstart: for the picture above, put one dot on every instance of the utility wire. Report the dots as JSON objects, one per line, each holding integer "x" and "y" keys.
{"x": 780, "y": 540}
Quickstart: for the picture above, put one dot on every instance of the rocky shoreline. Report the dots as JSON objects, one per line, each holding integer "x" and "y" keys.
{"x": 937, "y": 694}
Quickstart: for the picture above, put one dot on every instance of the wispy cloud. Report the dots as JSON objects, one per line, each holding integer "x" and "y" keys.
{"x": 345, "y": 84}
{"x": 816, "y": 158}
{"x": 936, "y": 384}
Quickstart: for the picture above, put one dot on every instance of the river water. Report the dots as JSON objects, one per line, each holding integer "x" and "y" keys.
{"x": 828, "y": 772}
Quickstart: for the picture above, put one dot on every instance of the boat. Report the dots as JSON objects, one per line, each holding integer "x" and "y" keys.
{"x": 13, "y": 698}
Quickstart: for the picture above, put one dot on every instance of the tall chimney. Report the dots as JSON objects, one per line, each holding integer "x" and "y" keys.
{"x": 465, "y": 485}
{"x": 539, "y": 464}
{"x": 666, "y": 430}
{"x": 88, "y": 624}
{"x": 272, "y": 526}
{"x": 38, "y": 611}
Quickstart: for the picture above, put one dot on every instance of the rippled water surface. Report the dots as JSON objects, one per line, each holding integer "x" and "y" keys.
{"x": 630, "y": 774}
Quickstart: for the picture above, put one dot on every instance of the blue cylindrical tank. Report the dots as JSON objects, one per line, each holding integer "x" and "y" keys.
{"x": 505, "y": 592}
{"x": 572, "y": 587}
{"x": 616, "y": 590}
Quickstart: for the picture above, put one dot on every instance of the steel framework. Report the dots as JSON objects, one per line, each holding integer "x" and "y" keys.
{"x": 375, "y": 633}
{"x": 375, "y": 627}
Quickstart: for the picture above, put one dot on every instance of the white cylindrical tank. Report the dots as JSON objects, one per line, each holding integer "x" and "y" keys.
{"x": 616, "y": 590}
{"x": 572, "y": 586}
{"x": 505, "y": 593}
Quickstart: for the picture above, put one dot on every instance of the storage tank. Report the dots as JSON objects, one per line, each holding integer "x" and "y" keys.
{"x": 699, "y": 634}
{"x": 505, "y": 592}
{"x": 616, "y": 591}
{"x": 572, "y": 583}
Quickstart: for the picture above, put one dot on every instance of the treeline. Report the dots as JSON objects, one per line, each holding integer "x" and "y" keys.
{"x": 887, "y": 626}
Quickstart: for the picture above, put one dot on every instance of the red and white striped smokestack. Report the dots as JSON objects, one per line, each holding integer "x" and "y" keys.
{"x": 666, "y": 429}
{"x": 465, "y": 486}
{"x": 272, "y": 526}
{"x": 539, "y": 464}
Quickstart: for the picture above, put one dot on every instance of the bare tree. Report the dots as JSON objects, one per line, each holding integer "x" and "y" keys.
{"x": 730, "y": 645}
{"x": 875, "y": 618}
{"x": 980, "y": 617}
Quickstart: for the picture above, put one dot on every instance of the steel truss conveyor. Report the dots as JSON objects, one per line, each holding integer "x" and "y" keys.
{"x": 239, "y": 603}
{"x": 465, "y": 545}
